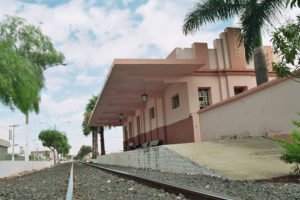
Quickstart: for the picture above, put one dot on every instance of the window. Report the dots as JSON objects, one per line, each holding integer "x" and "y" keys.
{"x": 151, "y": 113}
{"x": 239, "y": 89}
{"x": 175, "y": 101}
{"x": 203, "y": 95}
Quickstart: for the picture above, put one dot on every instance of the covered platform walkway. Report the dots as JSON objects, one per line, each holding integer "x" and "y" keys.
{"x": 252, "y": 158}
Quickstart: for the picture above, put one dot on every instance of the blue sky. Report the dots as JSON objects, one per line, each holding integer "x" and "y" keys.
{"x": 91, "y": 33}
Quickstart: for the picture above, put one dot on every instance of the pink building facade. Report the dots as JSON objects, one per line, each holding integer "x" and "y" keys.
{"x": 177, "y": 87}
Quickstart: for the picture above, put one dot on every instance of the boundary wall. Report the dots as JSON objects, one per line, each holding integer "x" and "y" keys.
{"x": 12, "y": 168}
{"x": 159, "y": 158}
{"x": 263, "y": 111}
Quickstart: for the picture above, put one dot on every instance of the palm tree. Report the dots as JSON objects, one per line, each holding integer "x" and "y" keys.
{"x": 86, "y": 129}
{"x": 94, "y": 130}
{"x": 293, "y": 3}
{"x": 101, "y": 128}
{"x": 255, "y": 16}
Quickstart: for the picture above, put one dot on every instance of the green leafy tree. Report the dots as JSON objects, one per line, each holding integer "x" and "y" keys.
{"x": 286, "y": 43}
{"x": 56, "y": 141}
{"x": 25, "y": 53}
{"x": 47, "y": 155}
{"x": 83, "y": 151}
{"x": 255, "y": 16}
{"x": 292, "y": 148}
{"x": 31, "y": 157}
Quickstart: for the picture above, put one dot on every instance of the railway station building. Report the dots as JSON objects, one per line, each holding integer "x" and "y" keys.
{"x": 160, "y": 99}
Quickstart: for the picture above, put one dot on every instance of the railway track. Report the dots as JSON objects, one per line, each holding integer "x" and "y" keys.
{"x": 171, "y": 188}
{"x": 90, "y": 183}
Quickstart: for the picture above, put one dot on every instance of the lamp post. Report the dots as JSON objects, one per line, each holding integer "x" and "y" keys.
{"x": 13, "y": 141}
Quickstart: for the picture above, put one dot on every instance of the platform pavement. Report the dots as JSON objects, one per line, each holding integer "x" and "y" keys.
{"x": 243, "y": 159}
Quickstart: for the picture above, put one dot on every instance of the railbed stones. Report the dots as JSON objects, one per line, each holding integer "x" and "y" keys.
{"x": 92, "y": 183}
{"x": 248, "y": 190}
{"x": 46, "y": 184}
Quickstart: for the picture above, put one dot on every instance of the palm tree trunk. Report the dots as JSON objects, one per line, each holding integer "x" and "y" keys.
{"x": 260, "y": 65}
{"x": 95, "y": 144}
{"x": 102, "y": 140}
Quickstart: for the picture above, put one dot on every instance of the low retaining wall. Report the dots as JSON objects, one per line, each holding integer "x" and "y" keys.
{"x": 263, "y": 111}
{"x": 10, "y": 168}
{"x": 155, "y": 158}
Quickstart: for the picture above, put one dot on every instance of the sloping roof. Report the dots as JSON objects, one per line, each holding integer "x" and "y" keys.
{"x": 129, "y": 78}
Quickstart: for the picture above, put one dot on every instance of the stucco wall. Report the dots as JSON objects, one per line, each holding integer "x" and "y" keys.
{"x": 10, "y": 168}
{"x": 264, "y": 112}
{"x": 181, "y": 112}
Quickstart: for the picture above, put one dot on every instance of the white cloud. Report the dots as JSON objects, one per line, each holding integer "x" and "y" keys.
{"x": 84, "y": 79}
{"x": 67, "y": 106}
{"x": 126, "y": 2}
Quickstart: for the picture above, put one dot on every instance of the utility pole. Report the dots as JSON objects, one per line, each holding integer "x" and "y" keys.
{"x": 13, "y": 140}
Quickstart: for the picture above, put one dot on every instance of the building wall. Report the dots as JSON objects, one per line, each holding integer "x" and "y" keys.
{"x": 266, "y": 111}
{"x": 181, "y": 112}
{"x": 222, "y": 68}
{"x": 3, "y": 149}
{"x": 3, "y": 152}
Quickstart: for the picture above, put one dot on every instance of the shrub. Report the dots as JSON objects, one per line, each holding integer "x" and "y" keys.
{"x": 292, "y": 148}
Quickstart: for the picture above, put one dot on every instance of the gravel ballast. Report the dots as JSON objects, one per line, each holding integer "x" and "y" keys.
{"x": 50, "y": 183}
{"x": 91, "y": 183}
{"x": 247, "y": 190}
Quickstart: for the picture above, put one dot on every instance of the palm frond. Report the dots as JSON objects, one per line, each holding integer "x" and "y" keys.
{"x": 210, "y": 11}
{"x": 270, "y": 12}
{"x": 91, "y": 104}
{"x": 257, "y": 16}
{"x": 85, "y": 128}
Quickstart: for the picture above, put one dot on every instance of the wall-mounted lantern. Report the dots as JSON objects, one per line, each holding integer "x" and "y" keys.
{"x": 121, "y": 117}
{"x": 144, "y": 97}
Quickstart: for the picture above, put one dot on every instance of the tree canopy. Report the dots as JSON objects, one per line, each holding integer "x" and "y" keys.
{"x": 25, "y": 53}
{"x": 55, "y": 141}
{"x": 83, "y": 151}
{"x": 86, "y": 116}
{"x": 286, "y": 44}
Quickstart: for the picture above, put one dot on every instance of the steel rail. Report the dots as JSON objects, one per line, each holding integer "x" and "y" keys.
{"x": 187, "y": 192}
{"x": 69, "y": 194}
